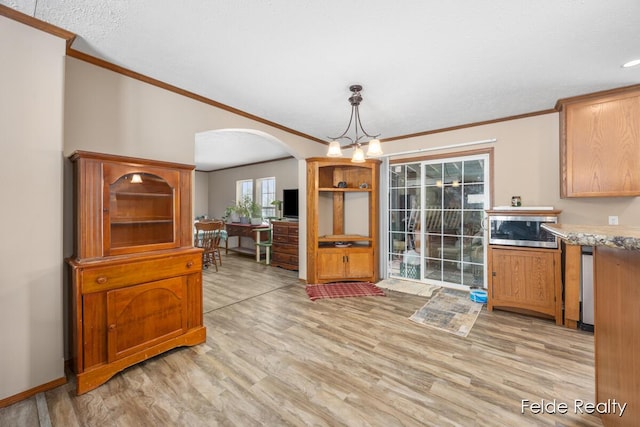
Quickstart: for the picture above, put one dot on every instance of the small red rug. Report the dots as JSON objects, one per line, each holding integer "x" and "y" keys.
{"x": 343, "y": 289}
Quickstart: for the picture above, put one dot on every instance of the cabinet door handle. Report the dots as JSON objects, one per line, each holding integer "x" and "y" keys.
{"x": 101, "y": 280}
{"x": 190, "y": 264}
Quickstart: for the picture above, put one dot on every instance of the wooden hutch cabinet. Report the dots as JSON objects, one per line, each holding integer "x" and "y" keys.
{"x": 342, "y": 220}
{"x": 136, "y": 279}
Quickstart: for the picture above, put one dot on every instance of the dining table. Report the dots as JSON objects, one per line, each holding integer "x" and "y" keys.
{"x": 240, "y": 230}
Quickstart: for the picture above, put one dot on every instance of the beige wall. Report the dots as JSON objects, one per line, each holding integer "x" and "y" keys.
{"x": 222, "y": 184}
{"x": 526, "y": 164}
{"x": 31, "y": 167}
{"x": 110, "y": 113}
{"x": 201, "y": 194}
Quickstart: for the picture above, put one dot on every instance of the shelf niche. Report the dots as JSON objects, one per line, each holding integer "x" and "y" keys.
{"x": 141, "y": 208}
{"x": 339, "y": 223}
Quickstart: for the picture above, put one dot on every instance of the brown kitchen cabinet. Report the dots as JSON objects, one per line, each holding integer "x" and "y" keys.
{"x": 526, "y": 280}
{"x": 344, "y": 263}
{"x": 616, "y": 332}
{"x": 285, "y": 245}
{"x": 600, "y": 144}
{"x": 136, "y": 279}
{"x": 572, "y": 263}
{"x": 342, "y": 220}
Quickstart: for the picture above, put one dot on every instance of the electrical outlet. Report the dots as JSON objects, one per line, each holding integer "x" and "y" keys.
{"x": 613, "y": 220}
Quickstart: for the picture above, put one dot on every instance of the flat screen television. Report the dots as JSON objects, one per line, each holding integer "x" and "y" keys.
{"x": 290, "y": 203}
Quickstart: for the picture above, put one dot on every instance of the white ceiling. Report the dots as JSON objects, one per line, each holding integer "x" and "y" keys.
{"x": 424, "y": 64}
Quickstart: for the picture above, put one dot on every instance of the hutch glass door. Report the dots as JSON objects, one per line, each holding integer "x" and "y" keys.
{"x": 436, "y": 212}
{"x": 141, "y": 213}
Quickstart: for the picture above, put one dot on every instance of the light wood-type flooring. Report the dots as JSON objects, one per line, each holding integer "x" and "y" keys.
{"x": 275, "y": 358}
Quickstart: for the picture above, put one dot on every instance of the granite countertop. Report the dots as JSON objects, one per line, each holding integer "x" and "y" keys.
{"x": 613, "y": 236}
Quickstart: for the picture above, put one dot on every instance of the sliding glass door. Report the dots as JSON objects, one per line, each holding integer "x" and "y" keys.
{"x": 436, "y": 211}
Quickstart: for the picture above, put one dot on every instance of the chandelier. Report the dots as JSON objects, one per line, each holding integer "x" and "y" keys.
{"x": 374, "y": 149}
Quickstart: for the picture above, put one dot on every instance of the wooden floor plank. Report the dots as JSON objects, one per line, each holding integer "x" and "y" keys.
{"x": 275, "y": 358}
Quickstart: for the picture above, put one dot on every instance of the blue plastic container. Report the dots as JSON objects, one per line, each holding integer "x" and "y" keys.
{"x": 478, "y": 295}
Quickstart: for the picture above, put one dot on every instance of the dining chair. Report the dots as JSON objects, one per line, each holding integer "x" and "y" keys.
{"x": 208, "y": 236}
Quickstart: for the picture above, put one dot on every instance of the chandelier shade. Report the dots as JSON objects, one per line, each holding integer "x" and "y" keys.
{"x": 374, "y": 149}
{"x": 334, "y": 149}
{"x": 358, "y": 155}
{"x": 358, "y": 133}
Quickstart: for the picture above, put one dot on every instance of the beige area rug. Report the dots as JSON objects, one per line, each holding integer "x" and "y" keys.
{"x": 449, "y": 310}
{"x": 408, "y": 287}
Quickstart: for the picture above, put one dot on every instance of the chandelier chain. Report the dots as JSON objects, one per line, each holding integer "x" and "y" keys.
{"x": 355, "y": 100}
{"x": 335, "y": 147}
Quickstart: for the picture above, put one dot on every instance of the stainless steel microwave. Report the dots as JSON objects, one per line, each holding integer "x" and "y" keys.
{"x": 521, "y": 230}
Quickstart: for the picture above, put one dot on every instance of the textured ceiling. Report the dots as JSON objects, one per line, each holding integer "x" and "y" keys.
{"x": 424, "y": 64}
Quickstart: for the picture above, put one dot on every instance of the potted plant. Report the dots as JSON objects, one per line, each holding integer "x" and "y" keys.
{"x": 232, "y": 213}
{"x": 243, "y": 210}
{"x": 278, "y": 205}
{"x": 256, "y": 213}
{"x": 250, "y": 211}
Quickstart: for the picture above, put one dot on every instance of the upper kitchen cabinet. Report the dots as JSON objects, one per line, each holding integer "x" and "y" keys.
{"x": 600, "y": 144}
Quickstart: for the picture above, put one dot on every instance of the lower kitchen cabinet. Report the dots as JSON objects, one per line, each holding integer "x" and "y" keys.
{"x": 527, "y": 280}
{"x": 335, "y": 264}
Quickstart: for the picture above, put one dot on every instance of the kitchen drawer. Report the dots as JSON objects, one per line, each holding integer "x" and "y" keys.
{"x": 286, "y": 240}
{"x": 287, "y": 249}
{"x": 280, "y": 238}
{"x": 101, "y": 278}
{"x": 285, "y": 258}
{"x": 285, "y": 229}
{"x": 280, "y": 229}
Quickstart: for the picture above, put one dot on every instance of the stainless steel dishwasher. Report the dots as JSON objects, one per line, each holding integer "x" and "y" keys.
{"x": 586, "y": 289}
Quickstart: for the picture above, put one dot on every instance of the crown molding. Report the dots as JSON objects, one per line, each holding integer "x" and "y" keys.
{"x": 38, "y": 24}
